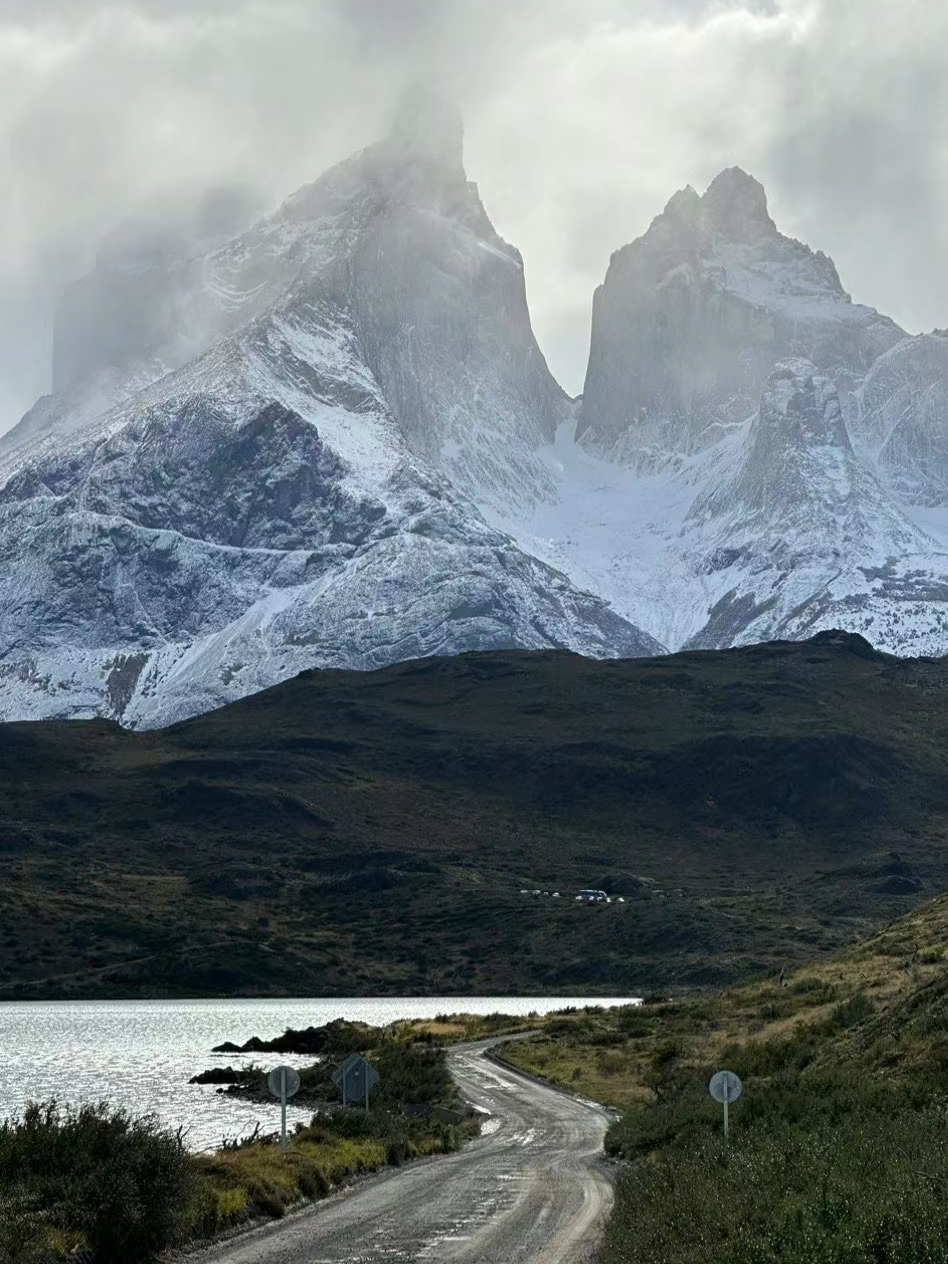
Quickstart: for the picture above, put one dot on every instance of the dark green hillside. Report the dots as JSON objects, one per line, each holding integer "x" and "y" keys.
{"x": 347, "y": 832}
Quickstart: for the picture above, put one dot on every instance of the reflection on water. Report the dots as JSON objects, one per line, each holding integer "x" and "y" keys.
{"x": 140, "y": 1054}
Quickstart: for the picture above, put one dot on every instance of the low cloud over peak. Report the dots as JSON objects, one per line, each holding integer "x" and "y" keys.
{"x": 582, "y": 118}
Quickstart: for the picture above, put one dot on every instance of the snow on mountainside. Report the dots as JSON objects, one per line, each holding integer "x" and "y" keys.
{"x": 902, "y": 418}
{"x": 756, "y": 456}
{"x": 798, "y": 536}
{"x": 331, "y": 439}
{"x": 279, "y": 475}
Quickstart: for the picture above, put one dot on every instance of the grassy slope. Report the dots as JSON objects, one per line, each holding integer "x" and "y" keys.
{"x": 840, "y": 1140}
{"x": 636, "y": 1056}
{"x": 369, "y": 833}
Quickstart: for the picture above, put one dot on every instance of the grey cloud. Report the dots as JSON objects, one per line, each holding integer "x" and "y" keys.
{"x": 583, "y": 117}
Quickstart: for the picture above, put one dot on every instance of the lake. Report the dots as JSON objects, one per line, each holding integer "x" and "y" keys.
{"x": 140, "y": 1054}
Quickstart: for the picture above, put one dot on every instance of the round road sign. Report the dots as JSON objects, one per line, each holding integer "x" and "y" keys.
{"x": 283, "y": 1081}
{"x": 725, "y": 1086}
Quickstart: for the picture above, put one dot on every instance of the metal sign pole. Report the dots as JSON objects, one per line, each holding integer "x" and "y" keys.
{"x": 284, "y": 1083}
{"x": 283, "y": 1108}
{"x": 725, "y": 1087}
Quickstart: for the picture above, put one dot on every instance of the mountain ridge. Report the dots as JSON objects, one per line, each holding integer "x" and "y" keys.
{"x": 418, "y": 483}
{"x": 379, "y": 309}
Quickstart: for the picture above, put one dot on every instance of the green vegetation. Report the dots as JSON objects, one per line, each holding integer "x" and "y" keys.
{"x": 839, "y": 1145}
{"x": 411, "y": 1064}
{"x": 90, "y": 1178}
{"x": 257, "y": 1179}
{"x": 867, "y": 1188}
{"x": 125, "y": 1190}
{"x": 370, "y": 833}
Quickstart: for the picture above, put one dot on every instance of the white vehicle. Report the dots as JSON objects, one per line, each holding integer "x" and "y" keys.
{"x": 593, "y": 897}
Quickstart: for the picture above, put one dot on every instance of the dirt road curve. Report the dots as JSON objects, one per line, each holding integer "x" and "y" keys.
{"x": 528, "y": 1191}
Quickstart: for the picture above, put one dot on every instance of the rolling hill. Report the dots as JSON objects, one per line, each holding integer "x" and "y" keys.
{"x": 356, "y": 833}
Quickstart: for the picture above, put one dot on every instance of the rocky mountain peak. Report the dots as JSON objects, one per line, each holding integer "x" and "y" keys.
{"x": 735, "y": 205}
{"x": 684, "y": 206}
{"x": 694, "y": 315}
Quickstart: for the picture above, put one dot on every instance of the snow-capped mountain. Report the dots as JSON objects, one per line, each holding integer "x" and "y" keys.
{"x": 798, "y": 535}
{"x": 276, "y": 472}
{"x": 756, "y": 456}
{"x": 693, "y": 316}
{"x": 330, "y": 439}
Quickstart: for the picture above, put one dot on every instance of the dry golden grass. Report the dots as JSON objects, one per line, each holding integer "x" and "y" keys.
{"x": 616, "y": 1057}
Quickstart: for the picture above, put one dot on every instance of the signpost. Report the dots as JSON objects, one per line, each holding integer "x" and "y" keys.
{"x": 283, "y": 1082}
{"x": 725, "y": 1087}
{"x": 355, "y": 1079}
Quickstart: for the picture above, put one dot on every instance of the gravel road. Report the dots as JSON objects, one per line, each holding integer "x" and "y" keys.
{"x": 529, "y": 1190}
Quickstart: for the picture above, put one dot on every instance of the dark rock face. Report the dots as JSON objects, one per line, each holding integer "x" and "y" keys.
{"x": 267, "y": 483}
{"x": 694, "y": 315}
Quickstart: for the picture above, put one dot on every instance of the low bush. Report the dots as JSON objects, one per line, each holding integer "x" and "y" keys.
{"x": 91, "y": 1177}
{"x": 868, "y": 1189}
{"x": 829, "y": 1161}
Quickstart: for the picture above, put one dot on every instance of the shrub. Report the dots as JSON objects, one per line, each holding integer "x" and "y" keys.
{"x": 89, "y": 1175}
{"x": 866, "y": 1190}
{"x": 851, "y": 1012}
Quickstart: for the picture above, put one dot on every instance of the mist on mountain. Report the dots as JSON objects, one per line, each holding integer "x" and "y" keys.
{"x": 581, "y": 117}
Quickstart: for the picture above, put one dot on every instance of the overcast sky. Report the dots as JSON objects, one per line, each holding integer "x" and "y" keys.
{"x": 583, "y": 117}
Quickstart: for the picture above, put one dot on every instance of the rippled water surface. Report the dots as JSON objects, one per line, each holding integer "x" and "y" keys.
{"x": 141, "y": 1054}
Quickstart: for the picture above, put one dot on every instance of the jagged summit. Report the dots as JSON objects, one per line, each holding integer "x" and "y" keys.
{"x": 735, "y": 205}
{"x": 331, "y": 439}
{"x": 693, "y": 316}
{"x": 395, "y": 237}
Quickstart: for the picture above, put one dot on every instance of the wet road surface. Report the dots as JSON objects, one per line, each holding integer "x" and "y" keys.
{"x": 529, "y": 1190}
